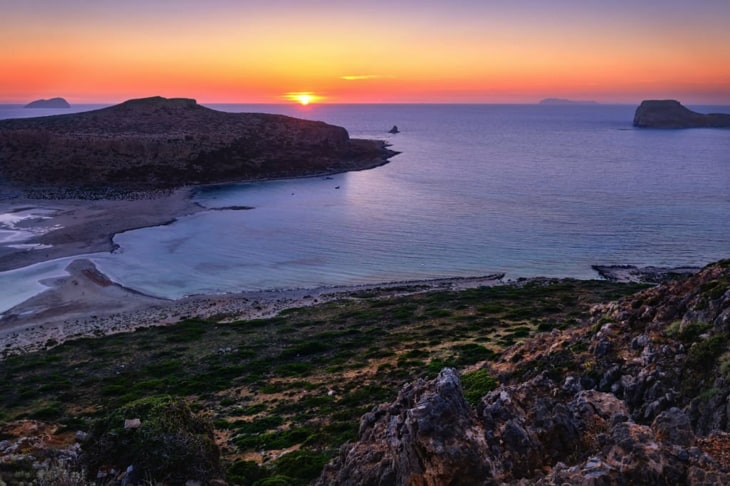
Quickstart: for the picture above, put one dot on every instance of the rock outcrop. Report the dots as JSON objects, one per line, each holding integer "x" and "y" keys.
{"x": 49, "y": 103}
{"x": 671, "y": 114}
{"x": 638, "y": 395}
{"x": 157, "y": 143}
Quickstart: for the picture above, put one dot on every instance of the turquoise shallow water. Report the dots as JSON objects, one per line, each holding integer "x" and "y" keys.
{"x": 523, "y": 189}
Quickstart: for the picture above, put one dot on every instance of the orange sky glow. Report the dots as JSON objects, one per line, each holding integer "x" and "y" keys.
{"x": 369, "y": 52}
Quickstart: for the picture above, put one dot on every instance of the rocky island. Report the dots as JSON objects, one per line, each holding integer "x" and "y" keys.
{"x": 564, "y": 101}
{"x": 49, "y": 103}
{"x": 672, "y": 114}
{"x": 159, "y": 143}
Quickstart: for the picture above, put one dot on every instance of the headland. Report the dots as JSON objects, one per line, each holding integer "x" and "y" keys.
{"x": 159, "y": 143}
{"x": 672, "y": 114}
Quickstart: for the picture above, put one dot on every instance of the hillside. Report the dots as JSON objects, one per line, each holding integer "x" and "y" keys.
{"x": 538, "y": 382}
{"x": 155, "y": 143}
{"x": 637, "y": 394}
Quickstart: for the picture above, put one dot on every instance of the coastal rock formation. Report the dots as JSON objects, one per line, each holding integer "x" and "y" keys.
{"x": 49, "y": 103}
{"x": 638, "y": 395}
{"x": 155, "y": 143}
{"x": 671, "y": 114}
{"x": 631, "y": 273}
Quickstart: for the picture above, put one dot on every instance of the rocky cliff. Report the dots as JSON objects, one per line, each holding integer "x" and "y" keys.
{"x": 638, "y": 395}
{"x": 671, "y": 114}
{"x": 159, "y": 143}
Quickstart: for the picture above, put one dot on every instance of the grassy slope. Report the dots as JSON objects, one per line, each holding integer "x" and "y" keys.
{"x": 299, "y": 381}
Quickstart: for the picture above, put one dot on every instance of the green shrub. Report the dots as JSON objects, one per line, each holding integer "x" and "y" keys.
{"x": 471, "y": 353}
{"x": 704, "y": 353}
{"x": 276, "y": 481}
{"x": 687, "y": 333}
{"x": 302, "y": 464}
{"x": 476, "y": 384}
{"x": 245, "y": 473}
{"x": 172, "y": 444}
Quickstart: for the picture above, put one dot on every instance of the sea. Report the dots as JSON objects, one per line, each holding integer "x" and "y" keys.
{"x": 524, "y": 190}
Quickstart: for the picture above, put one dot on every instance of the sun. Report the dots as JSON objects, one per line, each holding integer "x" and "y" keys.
{"x": 304, "y": 98}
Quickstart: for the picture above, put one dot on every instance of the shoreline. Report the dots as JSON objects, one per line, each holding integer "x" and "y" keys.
{"x": 86, "y": 303}
{"x": 80, "y": 226}
{"x": 90, "y": 225}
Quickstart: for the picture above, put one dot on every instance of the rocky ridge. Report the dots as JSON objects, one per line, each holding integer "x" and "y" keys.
{"x": 158, "y": 143}
{"x": 672, "y": 114}
{"x": 638, "y": 395}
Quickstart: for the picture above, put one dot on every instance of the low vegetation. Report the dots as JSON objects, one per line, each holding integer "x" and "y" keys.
{"x": 282, "y": 395}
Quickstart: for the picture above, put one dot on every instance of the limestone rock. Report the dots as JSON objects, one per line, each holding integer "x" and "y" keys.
{"x": 671, "y": 114}
{"x": 428, "y": 436}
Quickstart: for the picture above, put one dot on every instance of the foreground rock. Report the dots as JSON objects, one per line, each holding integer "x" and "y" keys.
{"x": 640, "y": 395}
{"x": 671, "y": 114}
{"x": 158, "y": 143}
{"x": 49, "y": 103}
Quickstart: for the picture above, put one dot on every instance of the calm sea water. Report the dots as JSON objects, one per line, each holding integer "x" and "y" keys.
{"x": 523, "y": 189}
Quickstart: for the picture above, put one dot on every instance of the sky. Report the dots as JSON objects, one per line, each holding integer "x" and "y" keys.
{"x": 374, "y": 51}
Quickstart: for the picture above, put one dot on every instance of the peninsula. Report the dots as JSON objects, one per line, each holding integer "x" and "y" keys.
{"x": 158, "y": 143}
{"x": 672, "y": 114}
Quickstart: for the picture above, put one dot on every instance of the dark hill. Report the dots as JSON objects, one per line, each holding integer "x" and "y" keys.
{"x": 157, "y": 143}
{"x": 50, "y": 103}
{"x": 672, "y": 114}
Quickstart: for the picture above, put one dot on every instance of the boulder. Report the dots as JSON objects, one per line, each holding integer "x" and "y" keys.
{"x": 671, "y": 114}
{"x": 429, "y": 436}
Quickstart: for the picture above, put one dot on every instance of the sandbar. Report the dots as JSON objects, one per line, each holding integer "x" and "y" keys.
{"x": 80, "y": 226}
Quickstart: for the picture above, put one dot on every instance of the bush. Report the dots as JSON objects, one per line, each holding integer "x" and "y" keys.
{"x": 303, "y": 465}
{"x": 245, "y": 473}
{"x": 171, "y": 445}
{"x": 476, "y": 384}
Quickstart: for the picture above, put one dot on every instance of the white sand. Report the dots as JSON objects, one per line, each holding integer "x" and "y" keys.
{"x": 74, "y": 227}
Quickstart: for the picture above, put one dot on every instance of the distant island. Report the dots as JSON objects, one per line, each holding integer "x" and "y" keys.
{"x": 159, "y": 143}
{"x": 563, "y": 101}
{"x": 672, "y": 114}
{"x": 49, "y": 103}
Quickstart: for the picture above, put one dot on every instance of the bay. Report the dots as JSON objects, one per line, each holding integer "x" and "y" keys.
{"x": 528, "y": 190}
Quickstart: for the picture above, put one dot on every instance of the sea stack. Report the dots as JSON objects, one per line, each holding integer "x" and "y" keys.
{"x": 49, "y": 103}
{"x": 156, "y": 143}
{"x": 672, "y": 114}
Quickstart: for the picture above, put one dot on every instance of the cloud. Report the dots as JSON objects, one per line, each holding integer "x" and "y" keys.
{"x": 360, "y": 77}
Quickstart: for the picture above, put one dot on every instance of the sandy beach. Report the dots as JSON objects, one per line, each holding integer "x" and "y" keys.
{"x": 68, "y": 227}
{"x": 87, "y": 303}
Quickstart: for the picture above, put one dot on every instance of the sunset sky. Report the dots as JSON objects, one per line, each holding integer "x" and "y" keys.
{"x": 251, "y": 51}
